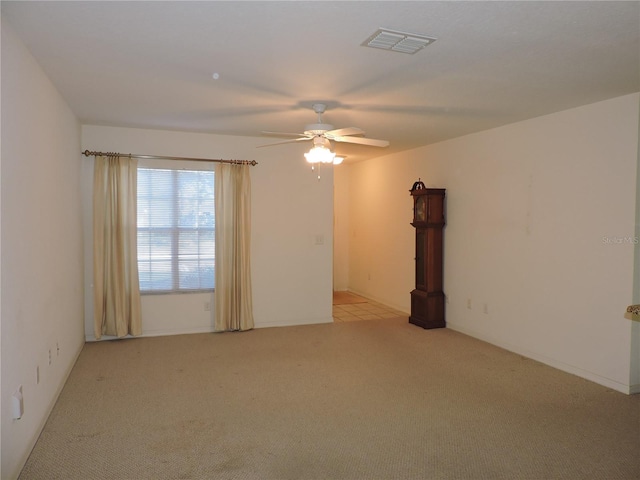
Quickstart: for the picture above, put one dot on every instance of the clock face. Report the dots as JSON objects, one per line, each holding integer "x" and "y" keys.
{"x": 421, "y": 209}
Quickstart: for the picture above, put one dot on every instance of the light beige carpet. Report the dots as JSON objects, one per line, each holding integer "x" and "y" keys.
{"x": 357, "y": 400}
{"x": 347, "y": 298}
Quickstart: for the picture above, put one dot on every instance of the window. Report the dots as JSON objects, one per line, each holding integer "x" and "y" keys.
{"x": 176, "y": 230}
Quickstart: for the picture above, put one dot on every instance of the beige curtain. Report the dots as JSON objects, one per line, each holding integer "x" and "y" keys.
{"x": 233, "y": 298}
{"x": 116, "y": 291}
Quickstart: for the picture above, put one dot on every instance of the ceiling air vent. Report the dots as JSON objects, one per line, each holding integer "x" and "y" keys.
{"x": 398, "y": 41}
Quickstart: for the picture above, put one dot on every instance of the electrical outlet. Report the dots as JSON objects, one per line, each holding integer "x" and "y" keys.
{"x": 207, "y": 306}
{"x": 49, "y": 356}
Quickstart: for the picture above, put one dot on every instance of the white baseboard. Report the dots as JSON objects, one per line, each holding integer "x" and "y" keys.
{"x": 209, "y": 329}
{"x": 293, "y": 323}
{"x": 593, "y": 377}
{"x": 156, "y": 333}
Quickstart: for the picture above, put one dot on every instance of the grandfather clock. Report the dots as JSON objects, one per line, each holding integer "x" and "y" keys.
{"x": 427, "y": 299}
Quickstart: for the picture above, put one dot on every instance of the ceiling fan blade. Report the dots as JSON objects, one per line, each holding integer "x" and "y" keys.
{"x": 344, "y": 131}
{"x": 286, "y": 141}
{"x": 371, "y": 142}
{"x": 285, "y": 134}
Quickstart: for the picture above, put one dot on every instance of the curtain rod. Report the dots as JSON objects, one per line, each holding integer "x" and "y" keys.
{"x": 88, "y": 153}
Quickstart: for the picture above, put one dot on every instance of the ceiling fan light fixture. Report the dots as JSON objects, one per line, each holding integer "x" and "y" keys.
{"x": 319, "y": 154}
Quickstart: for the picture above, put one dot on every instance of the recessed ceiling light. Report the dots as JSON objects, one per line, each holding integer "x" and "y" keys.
{"x": 395, "y": 41}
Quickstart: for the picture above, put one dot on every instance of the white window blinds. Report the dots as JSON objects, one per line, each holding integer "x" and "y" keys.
{"x": 176, "y": 230}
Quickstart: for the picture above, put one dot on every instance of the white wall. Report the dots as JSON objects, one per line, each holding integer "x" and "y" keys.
{"x": 341, "y": 228}
{"x": 381, "y": 239}
{"x": 540, "y": 229}
{"x": 291, "y": 212}
{"x": 41, "y": 265}
{"x": 635, "y": 325}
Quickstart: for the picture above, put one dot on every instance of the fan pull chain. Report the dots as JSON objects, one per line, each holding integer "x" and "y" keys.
{"x": 313, "y": 169}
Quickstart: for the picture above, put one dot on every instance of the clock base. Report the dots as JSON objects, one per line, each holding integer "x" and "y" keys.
{"x": 427, "y": 309}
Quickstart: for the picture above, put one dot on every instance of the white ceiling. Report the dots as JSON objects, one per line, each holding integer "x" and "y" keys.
{"x": 151, "y": 64}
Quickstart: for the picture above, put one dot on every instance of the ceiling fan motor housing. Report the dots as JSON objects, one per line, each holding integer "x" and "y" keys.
{"x": 322, "y": 142}
{"x": 317, "y": 128}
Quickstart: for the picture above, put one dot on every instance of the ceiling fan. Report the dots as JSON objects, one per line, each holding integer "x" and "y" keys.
{"x": 321, "y": 134}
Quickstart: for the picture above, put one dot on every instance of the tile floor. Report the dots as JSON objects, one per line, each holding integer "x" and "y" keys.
{"x": 364, "y": 311}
